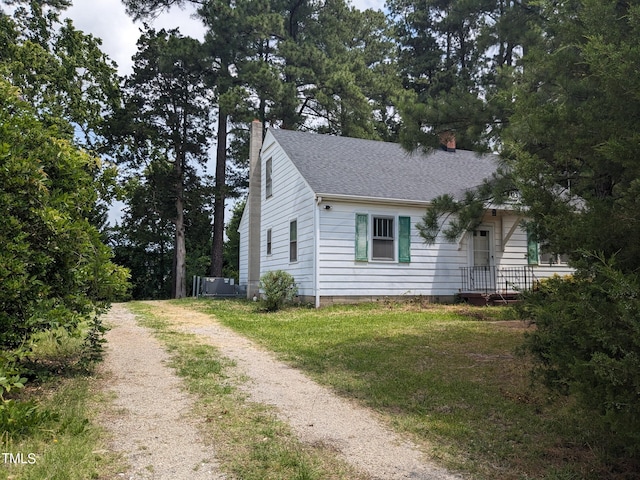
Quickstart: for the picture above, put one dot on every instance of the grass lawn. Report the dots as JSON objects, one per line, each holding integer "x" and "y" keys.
{"x": 60, "y": 440}
{"x": 446, "y": 375}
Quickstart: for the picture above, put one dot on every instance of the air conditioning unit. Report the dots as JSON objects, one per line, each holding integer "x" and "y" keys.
{"x": 218, "y": 287}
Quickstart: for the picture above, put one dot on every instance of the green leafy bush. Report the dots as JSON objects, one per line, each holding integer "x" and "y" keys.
{"x": 10, "y": 379}
{"x": 55, "y": 270}
{"x": 587, "y": 342}
{"x": 21, "y": 418}
{"x": 279, "y": 288}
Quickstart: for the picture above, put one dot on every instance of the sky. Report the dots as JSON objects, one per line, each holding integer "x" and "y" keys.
{"x": 107, "y": 20}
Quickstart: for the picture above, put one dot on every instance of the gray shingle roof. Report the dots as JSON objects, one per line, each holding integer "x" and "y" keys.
{"x": 369, "y": 168}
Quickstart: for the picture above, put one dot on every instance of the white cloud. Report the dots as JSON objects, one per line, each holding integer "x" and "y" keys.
{"x": 107, "y": 20}
{"x": 366, "y": 4}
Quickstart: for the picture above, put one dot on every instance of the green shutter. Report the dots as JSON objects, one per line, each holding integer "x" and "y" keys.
{"x": 362, "y": 237}
{"x": 404, "y": 239}
{"x": 532, "y": 251}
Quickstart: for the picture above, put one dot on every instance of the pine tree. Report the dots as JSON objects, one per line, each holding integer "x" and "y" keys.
{"x": 166, "y": 118}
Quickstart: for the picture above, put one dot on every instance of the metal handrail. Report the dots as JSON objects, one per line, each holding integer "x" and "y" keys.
{"x": 485, "y": 279}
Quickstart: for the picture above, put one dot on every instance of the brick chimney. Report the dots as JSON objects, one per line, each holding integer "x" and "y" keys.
{"x": 254, "y": 204}
{"x": 448, "y": 140}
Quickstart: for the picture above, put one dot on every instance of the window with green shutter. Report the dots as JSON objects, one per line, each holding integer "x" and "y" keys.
{"x": 382, "y": 238}
{"x": 404, "y": 239}
{"x": 362, "y": 237}
{"x": 532, "y": 251}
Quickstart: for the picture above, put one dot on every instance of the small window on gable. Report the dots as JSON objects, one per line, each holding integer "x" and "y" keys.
{"x": 269, "y": 242}
{"x": 293, "y": 241}
{"x": 268, "y": 182}
{"x": 382, "y": 239}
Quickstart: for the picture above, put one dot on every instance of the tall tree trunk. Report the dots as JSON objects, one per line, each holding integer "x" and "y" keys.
{"x": 180, "y": 249}
{"x": 218, "y": 206}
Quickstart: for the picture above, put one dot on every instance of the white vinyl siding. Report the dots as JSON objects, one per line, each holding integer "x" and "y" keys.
{"x": 292, "y": 199}
{"x": 434, "y": 270}
{"x": 348, "y": 269}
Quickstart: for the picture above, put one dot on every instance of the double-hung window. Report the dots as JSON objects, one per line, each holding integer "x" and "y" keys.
{"x": 552, "y": 259}
{"x": 382, "y": 239}
{"x": 386, "y": 236}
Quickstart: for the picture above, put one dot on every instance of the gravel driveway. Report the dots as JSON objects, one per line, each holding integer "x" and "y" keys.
{"x": 161, "y": 442}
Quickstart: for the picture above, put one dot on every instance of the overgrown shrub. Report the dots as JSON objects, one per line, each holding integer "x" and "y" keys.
{"x": 55, "y": 270}
{"x": 279, "y": 288}
{"x": 587, "y": 342}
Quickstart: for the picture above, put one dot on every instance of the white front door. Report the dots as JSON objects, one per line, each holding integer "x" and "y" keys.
{"x": 482, "y": 253}
{"x": 481, "y": 274}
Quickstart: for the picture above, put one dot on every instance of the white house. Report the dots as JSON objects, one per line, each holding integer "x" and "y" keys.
{"x": 339, "y": 214}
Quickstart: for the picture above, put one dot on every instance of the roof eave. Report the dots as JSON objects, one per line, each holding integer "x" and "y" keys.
{"x": 370, "y": 200}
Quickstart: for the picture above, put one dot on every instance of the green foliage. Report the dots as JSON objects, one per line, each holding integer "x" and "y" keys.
{"x": 144, "y": 241}
{"x": 94, "y": 341}
{"x": 279, "y": 288}
{"x": 350, "y": 87}
{"x": 53, "y": 266}
{"x": 11, "y": 378}
{"x": 55, "y": 270}
{"x": 587, "y": 342}
{"x": 452, "y": 217}
{"x": 22, "y": 418}
{"x": 572, "y": 143}
{"x": 570, "y": 151}
{"x": 16, "y": 417}
{"x": 324, "y": 66}
{"x": 60, "y": 70}
{"x": 165, "y": 125}
{"x": 455, "y": 57}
